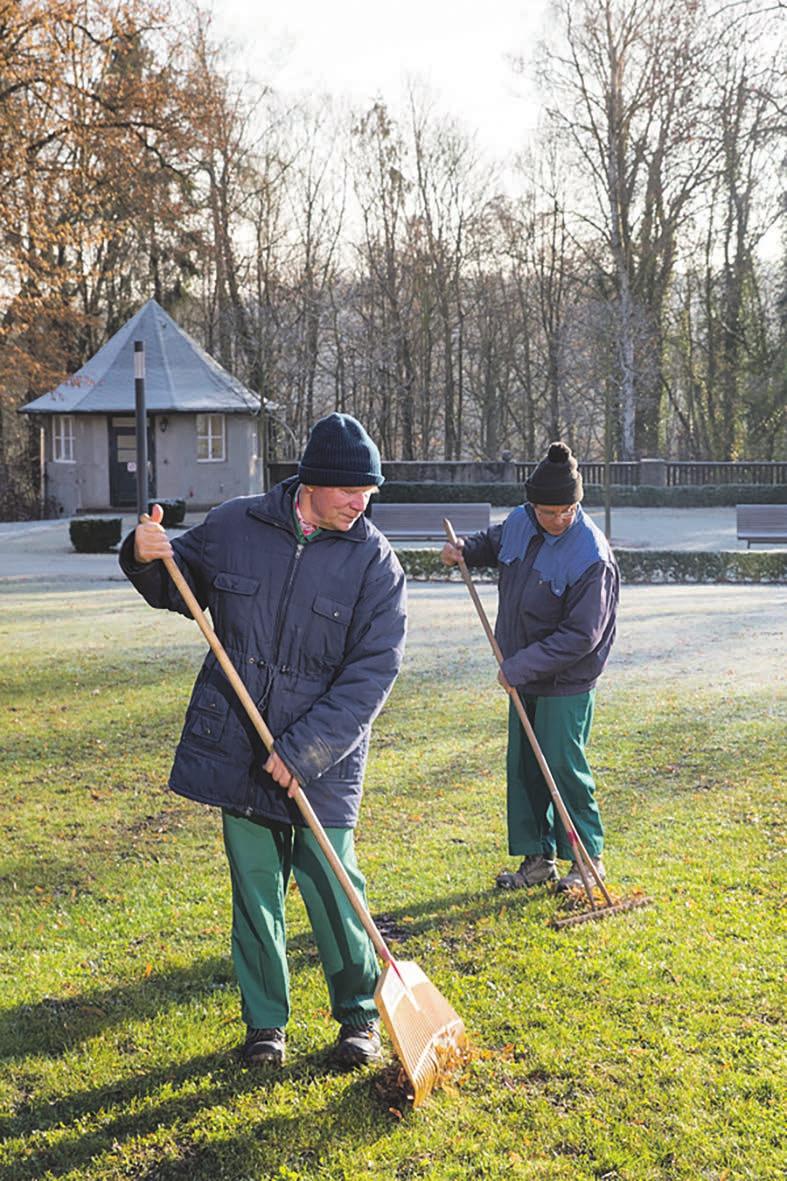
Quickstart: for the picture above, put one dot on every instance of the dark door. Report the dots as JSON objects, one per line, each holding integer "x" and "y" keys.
{"x": 123, "y": 461}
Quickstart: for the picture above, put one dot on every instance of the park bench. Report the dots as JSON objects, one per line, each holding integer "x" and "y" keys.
{"x": 424, "y": 522}
{"x": 762, "y": 522}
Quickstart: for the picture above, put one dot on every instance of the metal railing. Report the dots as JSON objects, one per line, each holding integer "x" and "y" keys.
{"x": 629, "y": 473}
{"x": 677, "y": 473}
{"x": 621, "y": 472}
{"x": 739, "y": 471}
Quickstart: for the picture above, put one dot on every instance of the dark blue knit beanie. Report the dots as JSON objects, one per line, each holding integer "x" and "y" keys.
{"x": 340, "y": 454}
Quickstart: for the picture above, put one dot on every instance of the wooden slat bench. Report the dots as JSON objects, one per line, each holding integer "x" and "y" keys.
{"x": 762, "y": 522}
{"x": 424, "y": 522}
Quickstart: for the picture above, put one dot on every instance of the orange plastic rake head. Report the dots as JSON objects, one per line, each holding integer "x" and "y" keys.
{"x": 427, "y": 1033}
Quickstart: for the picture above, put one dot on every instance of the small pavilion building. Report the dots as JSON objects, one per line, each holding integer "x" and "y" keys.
{"x": 205, "y": 436}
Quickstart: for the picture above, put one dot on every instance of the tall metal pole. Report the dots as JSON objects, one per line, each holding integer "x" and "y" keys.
{"x": 264, "y": 428}
{"x": 142, "y": 428}
{"x": 607, "y": 462}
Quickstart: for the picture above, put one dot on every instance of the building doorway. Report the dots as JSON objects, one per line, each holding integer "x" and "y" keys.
{"x": 123, "y": 461}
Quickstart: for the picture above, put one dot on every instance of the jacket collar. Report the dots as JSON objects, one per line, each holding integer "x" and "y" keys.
{"x": 276, "y": 508}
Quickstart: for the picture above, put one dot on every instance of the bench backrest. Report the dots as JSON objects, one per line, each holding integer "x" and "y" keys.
{"x": 426, "y": 520}
{"x": 761, "y": 518}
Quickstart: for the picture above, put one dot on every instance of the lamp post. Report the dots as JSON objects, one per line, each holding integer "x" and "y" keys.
{"x": 607, "y": 462}
{"x": 142, "y": 428}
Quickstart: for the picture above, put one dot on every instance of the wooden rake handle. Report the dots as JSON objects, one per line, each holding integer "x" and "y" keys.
{"x": 584, "y": 862}
{"x": 258, "y": 722}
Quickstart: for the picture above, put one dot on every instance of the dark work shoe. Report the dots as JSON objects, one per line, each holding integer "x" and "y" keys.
{"x": 263, "y": 1047}
{"x": 534, "y": 871}
{"x": 573, "y": 879}
{"x": 358, "y": 1046}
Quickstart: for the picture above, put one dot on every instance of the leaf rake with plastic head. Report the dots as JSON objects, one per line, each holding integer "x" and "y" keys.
{"x": 579, "y": 853}
{"x": 427, "y": 1033}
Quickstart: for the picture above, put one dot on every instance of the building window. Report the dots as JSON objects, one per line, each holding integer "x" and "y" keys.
{"x": 211, "y": 440}
{"x": 63, "y": 439}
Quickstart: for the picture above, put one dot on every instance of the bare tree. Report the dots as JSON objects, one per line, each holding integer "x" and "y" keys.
{"x": 317, "y": 196}
{"x": 450, "y": 196}
{"x": 385, "y": 294}
{"x": 631, "y": 101}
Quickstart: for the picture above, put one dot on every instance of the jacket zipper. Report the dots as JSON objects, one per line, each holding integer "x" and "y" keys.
{"x": 282, "y": 610}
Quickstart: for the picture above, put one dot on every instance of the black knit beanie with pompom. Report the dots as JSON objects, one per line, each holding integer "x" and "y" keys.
{"x": 556, "y": 480}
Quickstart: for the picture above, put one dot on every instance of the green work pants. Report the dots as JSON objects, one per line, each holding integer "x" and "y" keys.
{"x": 562, "y": 727}
{"x": 261, "y": 856}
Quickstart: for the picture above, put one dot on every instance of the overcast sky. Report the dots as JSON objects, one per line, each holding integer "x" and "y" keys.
{"x": 364, "y": 49}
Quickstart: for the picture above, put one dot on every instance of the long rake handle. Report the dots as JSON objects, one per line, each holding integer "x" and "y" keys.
{"x": 584, "y": 862}
{"x": 298, "y": 794}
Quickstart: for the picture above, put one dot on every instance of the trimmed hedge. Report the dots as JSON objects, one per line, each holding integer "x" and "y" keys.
{"x": 699, "y": 566}
{"x": 657, "y": 566}
{"x": 404, "y": 492}
{"x": 174, "y": 511}
{"x": 94, "y": 535}
{"x": 687, "y": 495}
{"x": 637, "y": 496}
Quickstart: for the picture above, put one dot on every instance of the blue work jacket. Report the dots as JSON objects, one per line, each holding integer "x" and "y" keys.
{"x": 558, "y": 601}
{"x": 316, "y": 632}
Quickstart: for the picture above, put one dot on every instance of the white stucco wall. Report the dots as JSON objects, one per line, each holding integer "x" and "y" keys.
{"x": 83, "y": 486}
{"x": 202, "y": 484}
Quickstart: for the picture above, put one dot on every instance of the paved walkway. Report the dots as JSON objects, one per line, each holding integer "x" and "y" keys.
{"x": 666, "y": 528}
{"x": 43, "y": 550}
{"x": 694, "y": 636}
{"x": 729, "y": 638}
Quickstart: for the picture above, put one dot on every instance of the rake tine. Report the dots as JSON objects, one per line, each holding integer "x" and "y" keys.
{"x": 601, "y": 912}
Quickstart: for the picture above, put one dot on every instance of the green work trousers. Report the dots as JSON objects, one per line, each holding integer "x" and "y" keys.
{"x": 261, "y": 856}
{"x": 562, "y": 727}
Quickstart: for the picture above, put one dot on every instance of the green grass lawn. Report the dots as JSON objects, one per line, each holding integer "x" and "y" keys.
{"x": 641, "y": 1047}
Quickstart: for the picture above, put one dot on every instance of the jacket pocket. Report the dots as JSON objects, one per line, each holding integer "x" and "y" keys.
{"x": 330, "y": 609}
{"x": 207, "y": 716}
{"x": 351, "y": 768}
{"x": 236, "y": 583}
{"x": 328, "y": 631}
{"x": 540, "y": 601}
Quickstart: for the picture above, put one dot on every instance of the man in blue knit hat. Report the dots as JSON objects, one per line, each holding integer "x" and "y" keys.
{"x": 308, "y": 599}
{"x": 558, "y": 599}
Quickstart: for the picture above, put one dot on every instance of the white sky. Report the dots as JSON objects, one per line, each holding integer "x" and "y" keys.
{"x": 365, "y": 49}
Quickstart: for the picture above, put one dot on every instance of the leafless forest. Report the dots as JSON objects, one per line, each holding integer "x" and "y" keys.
{"x": 625, "y": 288}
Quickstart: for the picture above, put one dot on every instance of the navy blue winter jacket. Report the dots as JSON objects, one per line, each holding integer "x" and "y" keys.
{"x": 558, "y": 601}
{"x": 316, "y": 631}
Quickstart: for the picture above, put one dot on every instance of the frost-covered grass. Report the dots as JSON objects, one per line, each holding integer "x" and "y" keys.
{"x": 642, "y": 1047}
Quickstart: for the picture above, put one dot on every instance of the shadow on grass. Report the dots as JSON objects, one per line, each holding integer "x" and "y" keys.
{"x": 54, "y": 1026}
{"x": 79, "y": 676}
{"x": 127, "y": 1111}
{"x": 90, "y": 1123}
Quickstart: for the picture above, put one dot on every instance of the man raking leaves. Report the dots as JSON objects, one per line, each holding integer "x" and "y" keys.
{"x": 558, "y": 592}
{"x": 308, "y": 604}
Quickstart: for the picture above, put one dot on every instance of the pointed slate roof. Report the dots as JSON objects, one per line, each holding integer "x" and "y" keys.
{"x": 179, "y": 375}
